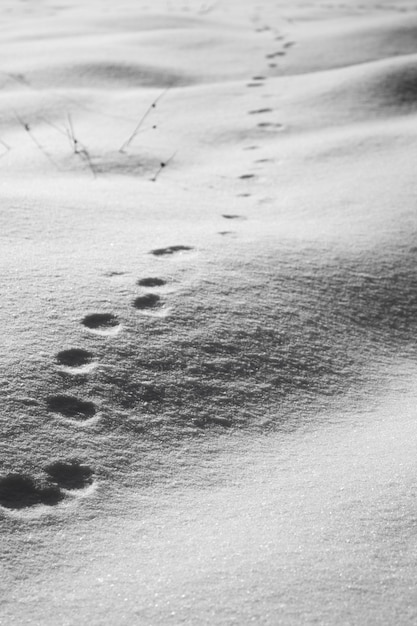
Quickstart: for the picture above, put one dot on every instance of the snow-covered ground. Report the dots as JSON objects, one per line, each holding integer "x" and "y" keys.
{"x": 209, "y": 311}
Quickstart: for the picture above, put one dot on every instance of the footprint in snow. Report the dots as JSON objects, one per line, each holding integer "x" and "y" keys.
{"x": 270, "y": 126}
{"x": 151, "y": 282}
{"x": 69, "y": 474}
{"x": 148, "y": 301}
{"x": 272, "y": 55}
{"x": 260, "y": 111}
{"x": 170, "y": 250}
{"x": 19, "y": 491}
{"x": 102, "y": 323}
{"x": 71, "y": 407}
{"x": 75, "y": 360}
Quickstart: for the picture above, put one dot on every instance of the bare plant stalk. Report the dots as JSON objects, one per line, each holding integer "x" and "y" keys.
{"x": 129, "y": 140}
{"x": 28, "y": 129}
{"x": 71, "y": 135}
{"x": 161, "y": 167}
{"x": 79, "y": 148}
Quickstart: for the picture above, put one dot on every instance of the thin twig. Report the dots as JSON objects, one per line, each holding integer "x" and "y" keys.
{"x": 142, "y": 119}
{"x": 71, "y": 135}
{"x": 28, "y": 129}
{"x": 162, "y": 166}
{"x": 78, "y": 147}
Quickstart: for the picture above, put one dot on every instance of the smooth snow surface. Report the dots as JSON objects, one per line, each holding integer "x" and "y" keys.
{"x": 209, "y": 312}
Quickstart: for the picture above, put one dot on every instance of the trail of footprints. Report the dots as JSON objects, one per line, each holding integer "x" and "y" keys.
{"x": 63, "y": 476}
{"x": 264, "y": 126}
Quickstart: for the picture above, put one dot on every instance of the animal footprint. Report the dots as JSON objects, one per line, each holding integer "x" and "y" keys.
{"x": 102, "y": 323}
{"x": 260, "y": 111}
{"x": 71, "y": 407}
{"x": 151, "y": 282}
{"x": 233, "y": 217}
{"x": 170, "y": 250}
{"x": 270, "y": 125}
{"x": 246, "y": 176}
{"x": 272, "y": 55}
{"x": 74, "y": 358}
{"x": 19, "y": 491}
{"x": 69, "y": 474}
{"x": 148, "y": 301}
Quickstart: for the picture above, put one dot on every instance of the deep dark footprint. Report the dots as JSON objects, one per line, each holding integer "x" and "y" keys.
{"x": 101, "y": 321}
{"x": 247, "y": 176}
{"x": 151, "y": 282}
{"x": 260, "y": 111}
{"x": 170, "y": 250}
{"x": 148, "y": 301}
{"x": 70, "y": 474}
{"x": 75, "y": 357}
{"x": 19, "y": 491}
{"x": 232, "y": 216}
{"x": 71, "y": 407}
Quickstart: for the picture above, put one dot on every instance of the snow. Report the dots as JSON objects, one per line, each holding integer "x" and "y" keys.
{"x": 234, "y": 424}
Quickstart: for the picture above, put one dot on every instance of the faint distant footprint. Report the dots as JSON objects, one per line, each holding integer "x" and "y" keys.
{"x": 233, "y": 216}
{"x": 151, "y": 282}
{"x": 260, "y": 111}
{"x": 102, "y": 323}
{"x": 71, "y": 407}
{"x": 19, "y": 491}
{"x": 272, "y": 55}
{"x": 69, "y": 474}
{"x": 271, "y": 126}
{"x": 170, "y": 250}
{"x": 114, "y": 273}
